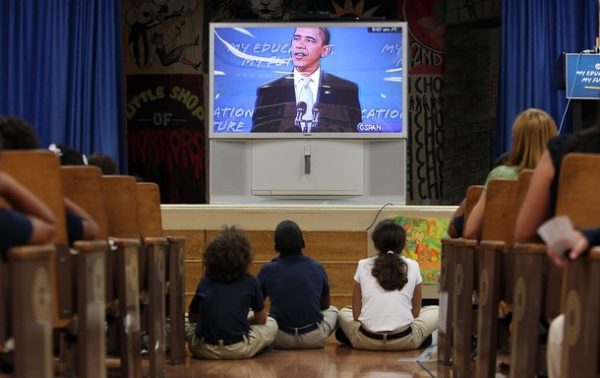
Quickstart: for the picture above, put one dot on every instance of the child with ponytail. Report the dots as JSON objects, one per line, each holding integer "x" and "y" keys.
{"x": 386, "y": 312}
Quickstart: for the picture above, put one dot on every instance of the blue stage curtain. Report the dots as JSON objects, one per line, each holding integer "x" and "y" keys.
{"x": 61, "y": 70}
{"x": 533, "y": 35}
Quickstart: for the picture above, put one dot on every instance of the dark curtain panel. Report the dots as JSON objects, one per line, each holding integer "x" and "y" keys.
{"x": 534, "y": 33}
{"x": 61, "y": 70}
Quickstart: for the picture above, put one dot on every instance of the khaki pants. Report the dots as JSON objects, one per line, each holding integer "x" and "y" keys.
{"x": 259, "y": 337}
{"x": 554, "y": 346}
{"x": 311, "y": 340}
{"x": 422, "y": 327}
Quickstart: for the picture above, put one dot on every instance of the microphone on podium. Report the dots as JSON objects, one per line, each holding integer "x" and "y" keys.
{"x": 316, "y": 112}
{"x": 300, "y": 110}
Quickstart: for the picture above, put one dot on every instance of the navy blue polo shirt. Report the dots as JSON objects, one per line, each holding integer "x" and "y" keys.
{"x": 15, "y": 229}
{"x": 592, "y": 235}
{"x": 295, "y": 285}
{"x": 74, "y": 227}
{"x": 222, "y": 308}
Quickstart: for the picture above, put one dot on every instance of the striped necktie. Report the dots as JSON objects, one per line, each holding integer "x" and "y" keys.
{"x": 306, "y": 95}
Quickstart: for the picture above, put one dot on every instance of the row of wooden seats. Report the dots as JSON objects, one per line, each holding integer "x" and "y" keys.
{"x": 522, "y": 276}
{"x": 127, "y": 213}
{"x": 553, "y": 292}
{"x": 481, "y": 266}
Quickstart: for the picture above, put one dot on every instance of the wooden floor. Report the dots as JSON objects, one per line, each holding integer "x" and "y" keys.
{"x": 335, "y": 360}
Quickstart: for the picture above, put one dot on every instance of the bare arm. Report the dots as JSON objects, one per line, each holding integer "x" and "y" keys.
{"x": 259, "y": 317}
{"x": 534, "y": 210}
{"x": 22, "y": 199}
{"x": 90, "y": 227}
{"x": 460, "y": 211}
{"x": 416, "y": 301}
{"x": 474, "y": 224}
{"x": 356, "y": 300}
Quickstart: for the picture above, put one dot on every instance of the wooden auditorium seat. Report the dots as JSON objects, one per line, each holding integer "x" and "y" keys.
{"x": 538, "y": 288}
{"x": 499, "y": 209}
{"x": 581, "y": 302}
{"x": 176, "y": 298}
{"x": 155, "y": 247}
{"x": 581, "y": 341}
{"x": 120, "y": 199}
{"x": 167, "y": 277}
{"x": 503, "y": 200}
{"x": 447, "y": 285}
{"x": 30, "y": 301}
{"x": 39, "y": 171}
{"x": 94, "y": 277}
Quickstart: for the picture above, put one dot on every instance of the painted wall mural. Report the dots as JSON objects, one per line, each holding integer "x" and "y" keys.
{"x": 426, "y": 98}
{"x": 424, "y": 244}
{"x": 165, "y": 96}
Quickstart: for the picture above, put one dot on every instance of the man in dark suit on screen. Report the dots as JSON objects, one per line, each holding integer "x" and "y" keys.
{"x": 307, "y": 100}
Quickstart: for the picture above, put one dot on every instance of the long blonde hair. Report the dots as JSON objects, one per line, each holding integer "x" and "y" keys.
{"x": 530, "y": 133}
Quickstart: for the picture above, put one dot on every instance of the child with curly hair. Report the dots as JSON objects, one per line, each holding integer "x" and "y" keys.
{"x": 219, "y": 326}
{"x": 386, "y": 311}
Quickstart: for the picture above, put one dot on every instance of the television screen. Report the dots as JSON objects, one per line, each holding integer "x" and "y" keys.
{"x": 320, "y": 80}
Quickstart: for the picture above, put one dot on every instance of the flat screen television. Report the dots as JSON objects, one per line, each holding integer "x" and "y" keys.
{"x": 257, "y": 86}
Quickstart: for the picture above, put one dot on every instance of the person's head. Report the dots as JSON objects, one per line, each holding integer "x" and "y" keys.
{"x": 390, "y": 270}
{"x": 309, "y": 45}
{"x": 530, "y": 133}
{"x": 106, "y": 164}
{"x": 68, "y": 155}
{"x": 288, "y": 238}
{"x": 228, "y": 256}
{"x": 18, "y": 134}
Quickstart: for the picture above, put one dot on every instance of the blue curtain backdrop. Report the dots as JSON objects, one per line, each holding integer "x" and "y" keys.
{"x": 533, "y": 35}
{"x": 61, "y": 70}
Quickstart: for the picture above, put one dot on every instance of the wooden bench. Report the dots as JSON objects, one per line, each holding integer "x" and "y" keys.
{"x": 155, "y": 247}
{"x": 581, "y": 302}
{"x": 120, "y": 198}
{"x": 538, "y": 288}
{"x": 167, "y": 268}
{"x": 446, "y": 295}
{"x": 95, "y": 278}
{"x": 581, "y": 349}
{"x": 503, "y": 200}
{"x": 39, "y": 171}
{"x": 30, "y": 301}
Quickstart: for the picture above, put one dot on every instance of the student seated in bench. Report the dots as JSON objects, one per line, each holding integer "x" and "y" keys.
{"x": 219, "y": 327}
{"x": 299, "y": 291}
{"x": 386, "y": 312}
{"x": 540, "y": 204}
{"x": 80, "y": 225}
{"x": 28, "y": 221}
{"x": 585, "y": 239}
{"x": 17, "y": 134}
{"x": 106, "y": 164}
{"x": 530, "y": 133}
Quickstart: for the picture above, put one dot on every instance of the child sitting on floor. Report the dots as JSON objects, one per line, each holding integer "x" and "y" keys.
{"x": 219, "y": 327}
{"x": 386, "y": 311}
{"x": 299, "y": 291}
